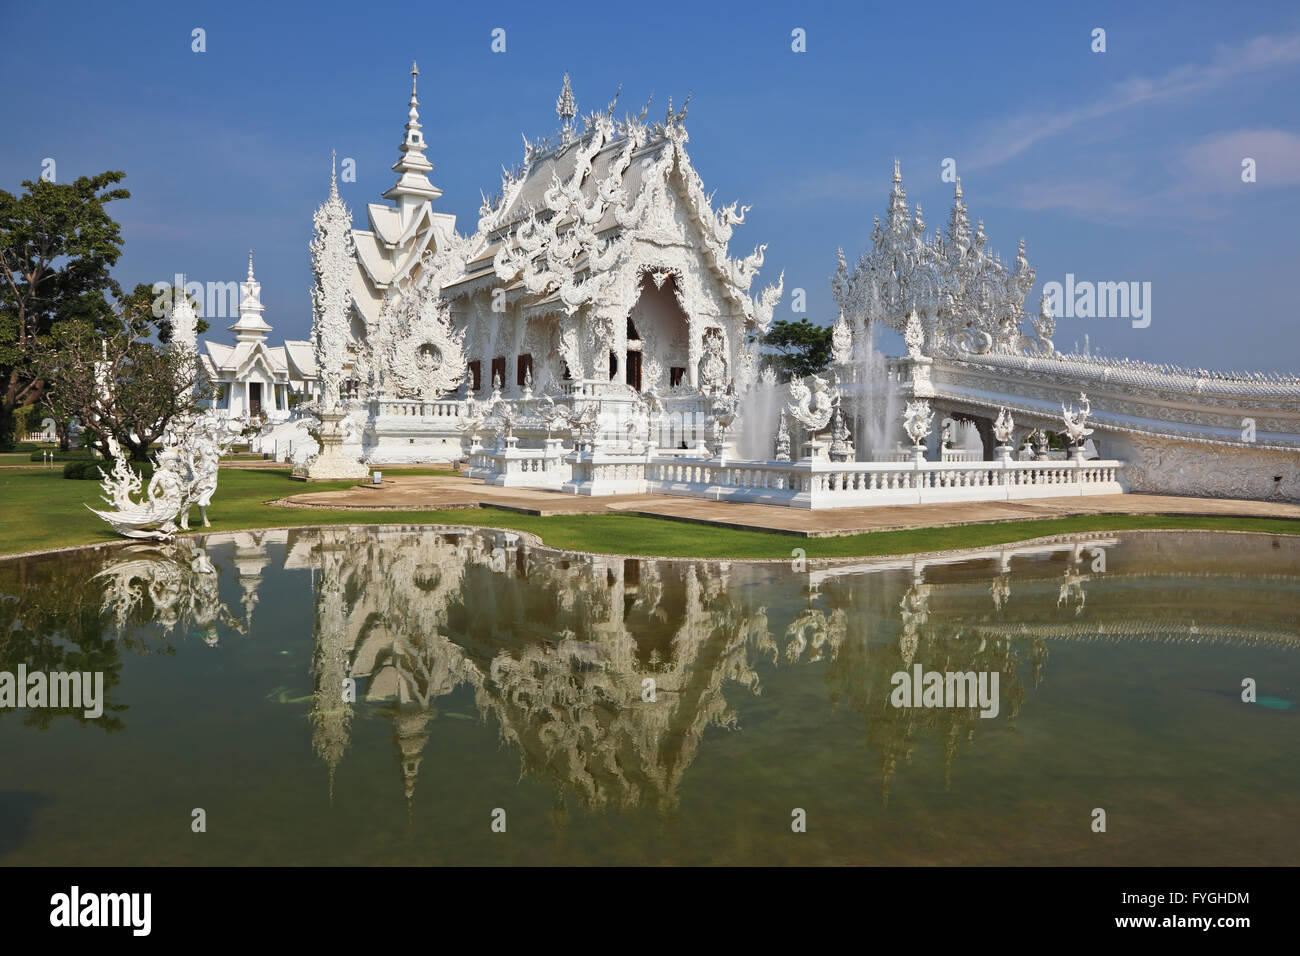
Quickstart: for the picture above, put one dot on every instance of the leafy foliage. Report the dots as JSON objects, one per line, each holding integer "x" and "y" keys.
{"x": 798, "y": 348}
{"x": 118, "y": 384}
{"x": 57, "y": 244}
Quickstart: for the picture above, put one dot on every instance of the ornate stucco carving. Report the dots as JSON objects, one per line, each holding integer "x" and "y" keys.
{"x": 963, "y": 294}
{"x": 425, "y": 355}
{"x": 332, "y": 252}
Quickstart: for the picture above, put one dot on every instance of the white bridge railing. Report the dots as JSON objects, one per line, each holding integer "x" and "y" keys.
{"x": 816, "y": 484}
{"x": 859, "y": 484}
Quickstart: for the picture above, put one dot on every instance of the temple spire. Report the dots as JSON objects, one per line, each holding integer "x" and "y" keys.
{"x": 250, "y": 327}
{"x": 412, "y": 187}
{"x": 898, "y": 202}
{"x": 958, "y": 224}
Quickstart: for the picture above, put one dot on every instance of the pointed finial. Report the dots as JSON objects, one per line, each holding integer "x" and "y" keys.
{"x": 956, "y": 193}
{"x": 413, "y": 135}
{"x": 898, "y": 174}
{"x": 566, "y": 107}
{"x": 250, "y": 265}
{"x": 334, "y": 178}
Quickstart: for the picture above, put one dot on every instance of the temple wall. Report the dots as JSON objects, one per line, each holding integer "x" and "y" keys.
{"x": 1163, "y": 466}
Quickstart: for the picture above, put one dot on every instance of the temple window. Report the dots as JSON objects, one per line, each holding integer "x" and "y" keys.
{"x": 524, "y": 369}
{"x": 613, "y": 364}
{"x": 499, "y": 371}
{"x": 475, "y": 375}
{"x": 675, "y": 376}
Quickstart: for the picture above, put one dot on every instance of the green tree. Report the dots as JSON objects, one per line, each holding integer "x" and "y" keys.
{"x": 798, "y": 348}
{"x": 118, "y": 383}
{"x": 147, "y": 308}
{"x": 57, "y": 244}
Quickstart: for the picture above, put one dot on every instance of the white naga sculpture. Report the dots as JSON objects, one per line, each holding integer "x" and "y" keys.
{"x": 917, "y": 421}
{"x": 185, "y": 476}
{"x": 1076, "y": 422}
{"x": 812, "y": 407}
{"x": 154, "y": 515}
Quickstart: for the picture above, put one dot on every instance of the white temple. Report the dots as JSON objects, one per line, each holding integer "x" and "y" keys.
{"x": 600, "y": 270}
{"x": 594, "y": 335}
{"x": 254, "y": 380}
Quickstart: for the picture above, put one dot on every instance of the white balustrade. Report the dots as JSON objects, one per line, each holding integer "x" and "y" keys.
{"x": 420, "y": 409}
{"x": 858, "y": 484}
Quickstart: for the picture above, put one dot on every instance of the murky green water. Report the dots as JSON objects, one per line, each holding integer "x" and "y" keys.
{"x": 619, "y": 711}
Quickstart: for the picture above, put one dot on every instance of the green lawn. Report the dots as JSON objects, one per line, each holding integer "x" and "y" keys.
{"x": 41, "y": 509}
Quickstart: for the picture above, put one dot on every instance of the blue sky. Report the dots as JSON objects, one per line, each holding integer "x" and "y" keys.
{"x": 1115, "y": 166}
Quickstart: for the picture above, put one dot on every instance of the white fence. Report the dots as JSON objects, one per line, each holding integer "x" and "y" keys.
{"x": 819, "y": 484}
{"x": 862, "y": 484}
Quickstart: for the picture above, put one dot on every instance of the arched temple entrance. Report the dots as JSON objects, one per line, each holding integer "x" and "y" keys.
{"x": 656, "y": 345}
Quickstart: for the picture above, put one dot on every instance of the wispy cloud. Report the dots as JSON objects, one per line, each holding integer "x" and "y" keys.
{"x": 1195, "y": 177}
{"x": 1213, "y": 165}
{"x": 1011, "y": 137}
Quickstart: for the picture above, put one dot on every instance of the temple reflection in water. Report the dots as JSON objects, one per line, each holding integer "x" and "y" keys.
{"x": 605, "y": 673}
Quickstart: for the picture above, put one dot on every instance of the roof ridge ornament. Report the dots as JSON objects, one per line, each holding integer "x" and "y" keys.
{"x": 566, "y": 108}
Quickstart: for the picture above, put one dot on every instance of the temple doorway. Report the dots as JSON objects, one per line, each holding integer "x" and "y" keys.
{"x": 657, "y": 334}
{"x": 634, "y": 369}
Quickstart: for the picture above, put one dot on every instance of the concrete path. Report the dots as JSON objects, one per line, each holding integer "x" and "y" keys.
{"x": 430, "y": 492}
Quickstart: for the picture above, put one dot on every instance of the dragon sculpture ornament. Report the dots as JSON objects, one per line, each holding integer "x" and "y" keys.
{"x": 918, "y": 418}
{"x": 185, "y": 476}
{"x": 1076, "y": 422}
{"x": 1003, "y": 427}
{"x": 813, "y": 404}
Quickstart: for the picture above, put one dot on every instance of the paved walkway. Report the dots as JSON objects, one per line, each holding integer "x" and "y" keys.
{"x": 429, "y": 492}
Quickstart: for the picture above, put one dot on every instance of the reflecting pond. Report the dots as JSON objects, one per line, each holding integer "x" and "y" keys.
{"x": 404, "y": 695}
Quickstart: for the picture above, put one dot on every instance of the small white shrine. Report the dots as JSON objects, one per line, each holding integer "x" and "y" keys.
{"x": 253, "y": 380}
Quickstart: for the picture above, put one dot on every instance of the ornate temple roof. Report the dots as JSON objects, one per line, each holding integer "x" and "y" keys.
{"x": 557, "y": 220}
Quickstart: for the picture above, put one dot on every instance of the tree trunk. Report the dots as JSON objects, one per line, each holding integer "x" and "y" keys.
{"x": 7, "y": 404}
